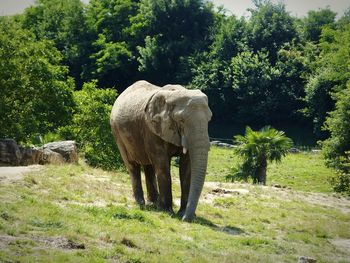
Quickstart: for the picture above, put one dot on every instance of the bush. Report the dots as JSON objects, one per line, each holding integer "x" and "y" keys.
{"x": 336, "y": 149}
{"x": 91, "y": 129}
{"x": 257, "y": 148}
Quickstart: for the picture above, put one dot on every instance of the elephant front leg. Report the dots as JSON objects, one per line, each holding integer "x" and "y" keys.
{"x": 185, "y": 179}
{"x": 165, "y": 200}
{"x": 135, "y": 174}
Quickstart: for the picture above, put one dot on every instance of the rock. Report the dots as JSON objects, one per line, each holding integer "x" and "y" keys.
{"x": 10, "y": 153}
{"x": 294, "y": 150}
{"x": 214, "y": 143}
{"x": 221, "y": 144}
{"x": 51, "y": 157}
{"x": 67, "y": 149}
{"x": 304, "y": 259}
{"x": 31, "y": 156}
{"x": 51, "y": 153}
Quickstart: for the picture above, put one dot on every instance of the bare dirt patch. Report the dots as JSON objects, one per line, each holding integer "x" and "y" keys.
{"x": 53, "y": 242}
{"x": 10, "y": 174}
{"x": 342, "y": 244}
{"x": 222, "y": 190}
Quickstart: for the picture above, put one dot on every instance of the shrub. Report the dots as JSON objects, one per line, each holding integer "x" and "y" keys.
{"x": 257, "y": 148}
{"x": 90, "y": 126}
{"x": 336, "y": 149}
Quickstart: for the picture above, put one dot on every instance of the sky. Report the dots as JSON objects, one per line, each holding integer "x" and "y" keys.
{"x": 236, "y": 7}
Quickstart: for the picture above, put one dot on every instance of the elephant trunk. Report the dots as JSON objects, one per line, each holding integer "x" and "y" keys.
{"x": 199, "y": 158}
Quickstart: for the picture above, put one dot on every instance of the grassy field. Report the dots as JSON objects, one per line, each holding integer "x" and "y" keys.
{"x": 75, "y": 213}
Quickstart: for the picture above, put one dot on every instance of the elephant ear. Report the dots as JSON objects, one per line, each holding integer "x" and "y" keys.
{"x": 160, "y": 120}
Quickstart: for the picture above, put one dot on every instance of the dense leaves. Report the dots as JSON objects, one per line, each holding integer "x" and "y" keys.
{"x": 337, "y": 147}
{"x": 36, "y": 93}
{"x": 90, "y": 126}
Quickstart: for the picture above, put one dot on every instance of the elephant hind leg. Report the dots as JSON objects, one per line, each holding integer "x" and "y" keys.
{"x": 135, "y": 174}
{"x": 165, "y": 200}
{"x": 151, "y": 184}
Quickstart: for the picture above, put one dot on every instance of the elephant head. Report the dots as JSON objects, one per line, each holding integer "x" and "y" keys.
{"x": 180, "y": 116}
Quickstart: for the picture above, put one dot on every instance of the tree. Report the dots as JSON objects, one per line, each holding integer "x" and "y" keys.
{"x": 270, "y": 27}
{"x": 253, "y": 81}
{"x": 330, "y": 75}
{"x": 230, "y": 38}
{"x": 257, "y": 148}
{"x": 63, "y": 22}
{"x": 36, "y": 93}
{"x": 114, "y": 40}
{"x": 315, "y": 21}
{"x": 174, "y": 31}
{"x": 336, "y": 149}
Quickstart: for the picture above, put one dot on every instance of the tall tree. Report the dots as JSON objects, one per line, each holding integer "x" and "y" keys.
{"x": 270, "y": 27}
{"x": 175, "y": 30}
{"x": 35, "y": 92}
{"x": 63, "y": 22}
{"x": 315, "y": 21}
{"x": 114, "y": 44}
{"x": 331, "y": 74}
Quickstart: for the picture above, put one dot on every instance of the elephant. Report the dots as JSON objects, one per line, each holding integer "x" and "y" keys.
{"x": 152, "y": 124}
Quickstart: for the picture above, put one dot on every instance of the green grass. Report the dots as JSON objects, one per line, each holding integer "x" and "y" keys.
{"x": 74, "y": 213}
{"x": 304, "y": 171}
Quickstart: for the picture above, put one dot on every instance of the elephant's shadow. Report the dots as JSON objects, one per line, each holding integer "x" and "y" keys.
{"x": 230, "y": 230}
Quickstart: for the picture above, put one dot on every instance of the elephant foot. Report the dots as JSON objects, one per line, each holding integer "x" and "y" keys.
{"x": 181, "y": 212}
{"x": 187, "y": 218}
{"x": 165, "y": 208}
{"x": 140, "y": 202}
{"x": 152, "y": 199}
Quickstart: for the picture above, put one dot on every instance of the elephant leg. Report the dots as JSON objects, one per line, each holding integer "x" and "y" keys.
{"x": 165, "y": 200}
{"x": 185, "y": 180}
{"x": 151, "y": 184}
{"x": 135, "y": 174}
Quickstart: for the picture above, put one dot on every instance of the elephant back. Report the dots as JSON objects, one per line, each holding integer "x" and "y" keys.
{"x": 131, "y": 103}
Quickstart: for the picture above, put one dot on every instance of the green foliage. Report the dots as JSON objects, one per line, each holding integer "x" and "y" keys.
{"x": 36, "y": 93}
{"x": 90, "y": 126}
{"x": 63, "y": 22}
{"x": 330, "y": 75}
{"x": 337, "y": 148}
{"x": 315, "y": 21}
{"x": 256, "y": 95}
{"x": 270, "y": 27}
{"x": 257, "y": 148}
{"x": 174, "y": 31}
{"x": 230, "y": 38}
{"x": 114, "y": 42}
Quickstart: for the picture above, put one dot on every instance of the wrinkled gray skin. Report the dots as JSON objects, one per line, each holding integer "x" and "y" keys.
{"x": 151, "y": 124}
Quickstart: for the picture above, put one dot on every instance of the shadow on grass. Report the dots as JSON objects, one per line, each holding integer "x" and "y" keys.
{"x": 231, "y": 230}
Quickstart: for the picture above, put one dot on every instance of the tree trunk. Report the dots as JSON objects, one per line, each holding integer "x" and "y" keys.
{"x": 261, "y": 173}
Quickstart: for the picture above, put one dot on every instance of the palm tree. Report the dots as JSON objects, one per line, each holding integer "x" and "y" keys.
{"x": 260, "y": 147}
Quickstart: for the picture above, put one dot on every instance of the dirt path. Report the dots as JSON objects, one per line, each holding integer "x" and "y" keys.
{"x": 9, "y": 174}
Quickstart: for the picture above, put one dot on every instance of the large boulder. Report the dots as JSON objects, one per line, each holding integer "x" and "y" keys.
{"x": 67, "y": 149}
{"x": 30, "y": 155}
{"x": 51, "y": 153}
{"x": 51, "y": 157}
{"x": 10, "y": 153}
